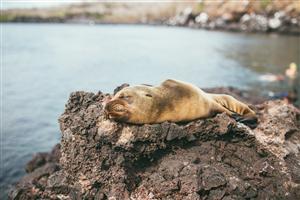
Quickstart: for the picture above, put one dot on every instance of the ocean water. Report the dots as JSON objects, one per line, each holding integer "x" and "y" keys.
{"x": 43, "y": 63}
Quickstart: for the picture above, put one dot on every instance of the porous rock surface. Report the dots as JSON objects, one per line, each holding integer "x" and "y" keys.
{"x": 215, "y": 158}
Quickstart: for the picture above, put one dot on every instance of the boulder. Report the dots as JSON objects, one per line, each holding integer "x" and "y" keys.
{"x": 214, "y": 158}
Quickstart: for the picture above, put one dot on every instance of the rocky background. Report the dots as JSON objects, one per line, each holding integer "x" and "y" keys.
{"x": 243, "y": 15}
{"x": 215, "y": 158}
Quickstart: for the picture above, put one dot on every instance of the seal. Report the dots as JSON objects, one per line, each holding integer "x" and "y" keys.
{"x": 173, "y": 101}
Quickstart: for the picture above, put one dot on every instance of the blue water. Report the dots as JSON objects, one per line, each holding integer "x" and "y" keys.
{"x": 43, "y": 63}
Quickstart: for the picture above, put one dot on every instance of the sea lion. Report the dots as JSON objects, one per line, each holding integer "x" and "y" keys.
{"x": 173, "y": 101}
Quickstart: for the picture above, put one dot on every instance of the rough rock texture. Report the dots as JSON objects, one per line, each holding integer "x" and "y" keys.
{"x": 216, "y": 158}
{"x": 39, "y": 168}
{"x": 241, "y": 20}
{"x": 42, "y": 158}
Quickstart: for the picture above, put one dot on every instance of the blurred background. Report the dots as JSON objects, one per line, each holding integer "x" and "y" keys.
{"x": 52, "y": 48}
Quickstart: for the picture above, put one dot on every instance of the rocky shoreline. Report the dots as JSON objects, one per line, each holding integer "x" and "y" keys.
{"x": 216, "y": 158}
{"x": 279, "y": 22}
{"x": 243, "y": 16}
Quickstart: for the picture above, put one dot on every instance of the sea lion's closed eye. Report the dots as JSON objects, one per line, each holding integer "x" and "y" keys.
{"x": 148, "y": 95}
{"x": 124, "y": 97}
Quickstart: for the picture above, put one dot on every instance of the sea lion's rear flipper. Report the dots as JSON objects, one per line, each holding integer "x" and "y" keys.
{"x": 238, "y": 110}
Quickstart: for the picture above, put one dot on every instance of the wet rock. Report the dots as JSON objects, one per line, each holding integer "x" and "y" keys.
{"x": 41, "y": 159}
{"x": 215, "y": 158}
{"x": 32, "y": 185}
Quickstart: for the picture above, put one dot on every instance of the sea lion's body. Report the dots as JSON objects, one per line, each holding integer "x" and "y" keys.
{"x": 173, "y": 101}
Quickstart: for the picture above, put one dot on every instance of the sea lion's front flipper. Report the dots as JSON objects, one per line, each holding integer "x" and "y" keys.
{"x": 249, "y": 121}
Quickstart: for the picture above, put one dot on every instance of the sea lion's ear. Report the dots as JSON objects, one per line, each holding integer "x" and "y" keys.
{"x": 147, "y": 85}
{"x": 124, "y": 85}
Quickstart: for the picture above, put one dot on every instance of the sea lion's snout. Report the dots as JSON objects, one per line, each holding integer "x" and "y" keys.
{"x": 116, "y": 109}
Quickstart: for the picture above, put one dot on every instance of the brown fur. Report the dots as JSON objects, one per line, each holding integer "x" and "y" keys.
{"x": 174, "y": 101}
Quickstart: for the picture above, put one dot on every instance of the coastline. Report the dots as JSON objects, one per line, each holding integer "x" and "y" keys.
{"x": 244, "y": 16}
{"x": 295, "y": 34}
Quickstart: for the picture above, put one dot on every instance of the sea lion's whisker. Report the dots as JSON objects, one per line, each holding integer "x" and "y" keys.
{"x": 118, "y": 108}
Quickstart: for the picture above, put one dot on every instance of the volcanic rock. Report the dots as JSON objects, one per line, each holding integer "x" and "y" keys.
{"x": 214, "y": 158}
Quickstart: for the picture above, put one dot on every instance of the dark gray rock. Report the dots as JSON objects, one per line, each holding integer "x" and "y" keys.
{"x": 102, "y": 159}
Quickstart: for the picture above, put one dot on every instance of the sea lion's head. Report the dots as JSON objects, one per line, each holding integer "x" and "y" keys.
{"x": 131, "y": 104}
